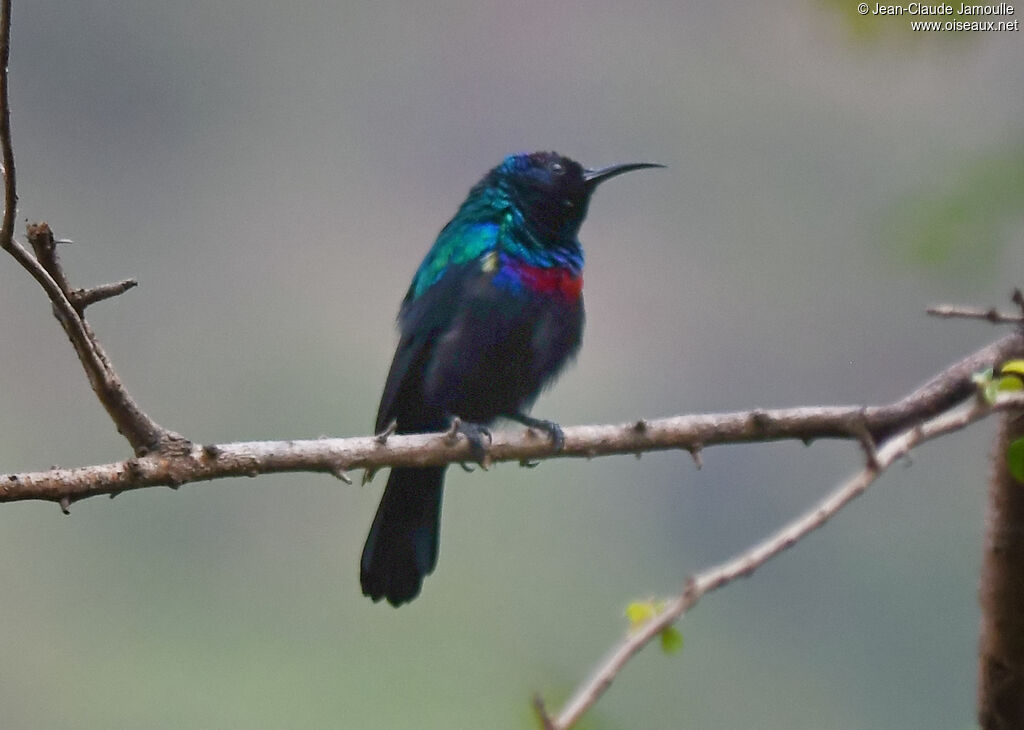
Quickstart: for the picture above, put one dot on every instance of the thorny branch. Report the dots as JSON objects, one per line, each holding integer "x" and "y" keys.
{"x": 143, "y": 433}
{"x": 337, "y": 456}
{"x": 6, "y": 145}
{"x": 989, "y": 314}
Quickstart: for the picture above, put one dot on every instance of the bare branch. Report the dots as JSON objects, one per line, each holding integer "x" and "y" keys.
{"x": 542, "y": 713}
{"x": 988, "y": 314}
{"x": 6, "y": 145}
{"x": 190, "y": 463}
{"x": 337, "y": 456}
{"x": 142, "y": 432}
{"x": 749, "y": 560}
{"x": 82, "y": 298}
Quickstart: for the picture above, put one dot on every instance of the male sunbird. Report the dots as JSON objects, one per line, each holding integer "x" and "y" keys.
{"x": 493, "y": 313}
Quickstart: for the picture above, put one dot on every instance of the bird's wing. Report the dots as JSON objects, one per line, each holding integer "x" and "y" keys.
{"x": 458, "y": 243}
{"x": 427, "y": 312}
{"x": 423, "y": 321}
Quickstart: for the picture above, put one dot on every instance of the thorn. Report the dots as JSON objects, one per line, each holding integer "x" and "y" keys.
{"x": 542, "y": 713}
{"x": 698, "y": 460}
{"x": 65, "y": 505}
{"x": 133, "y": 468}
{"x": 368, "y": 476}
{"x": 468, "y": 468}
{"x": 638, "y": 455}
{"x": 640, "y": 426}
{"x": 341, "y": 474}
{"x": 1018, "y": 298}
{"x": 529, "y": 463}
{"x": 65, "y": 241}
{"x": 211, "y": 451}
{"x": 452, "y": 434}
{"x": 690, "y": 590}
{"x": 382, "y": 437}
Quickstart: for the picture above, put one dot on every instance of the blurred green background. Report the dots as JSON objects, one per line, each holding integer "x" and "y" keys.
{"x": 272, "y": 174}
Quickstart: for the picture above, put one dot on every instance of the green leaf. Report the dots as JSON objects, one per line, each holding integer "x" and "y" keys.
{"x": 1015, "y": 367}
{"x": 1011, "y": 376}
{"x": 639, "y": 613}
{"x": 1015, "y": 459}
{"x": 1010, "y": 382}
{"x": 671, "y": 640}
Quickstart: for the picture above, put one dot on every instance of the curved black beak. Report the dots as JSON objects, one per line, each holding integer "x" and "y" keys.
{"x": 594, "y": 177}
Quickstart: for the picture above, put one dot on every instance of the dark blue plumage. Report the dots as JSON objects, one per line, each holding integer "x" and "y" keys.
{"x": 492, "y": 315}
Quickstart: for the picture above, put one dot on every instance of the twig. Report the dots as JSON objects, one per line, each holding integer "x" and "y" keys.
{"x": 6, "y": 145}
{"x": 82, "y": 298}
{"x": 757, "y": 555}
{"x": 988, "y": 314}
{"x": 142, "y": 432}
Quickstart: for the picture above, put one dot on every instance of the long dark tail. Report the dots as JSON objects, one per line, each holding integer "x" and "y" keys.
{"x": 402, "y": 545}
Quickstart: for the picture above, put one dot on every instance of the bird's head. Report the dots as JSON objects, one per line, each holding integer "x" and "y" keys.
{"x": 552, "y": 192}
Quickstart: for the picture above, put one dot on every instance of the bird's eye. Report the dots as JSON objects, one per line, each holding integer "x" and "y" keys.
{"x": 557, "y": 168}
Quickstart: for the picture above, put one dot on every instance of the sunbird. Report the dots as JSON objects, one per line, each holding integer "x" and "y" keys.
{"x": 493, "y": 314}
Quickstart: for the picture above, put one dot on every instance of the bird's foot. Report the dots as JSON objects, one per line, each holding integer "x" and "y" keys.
{"x": 474, "y": 433}
{"x": 552, "y": 429}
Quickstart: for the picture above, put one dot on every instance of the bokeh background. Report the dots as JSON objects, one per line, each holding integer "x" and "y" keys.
{"x": 272, "y": 174}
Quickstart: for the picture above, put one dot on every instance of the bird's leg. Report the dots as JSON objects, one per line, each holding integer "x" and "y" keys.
{"x": 474, "y": 433}
{"x": 552, "y": 429}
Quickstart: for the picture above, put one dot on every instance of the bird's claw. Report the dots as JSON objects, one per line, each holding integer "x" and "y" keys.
{"x": 474, "y": 434}
{"x": 552, "y": 429}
